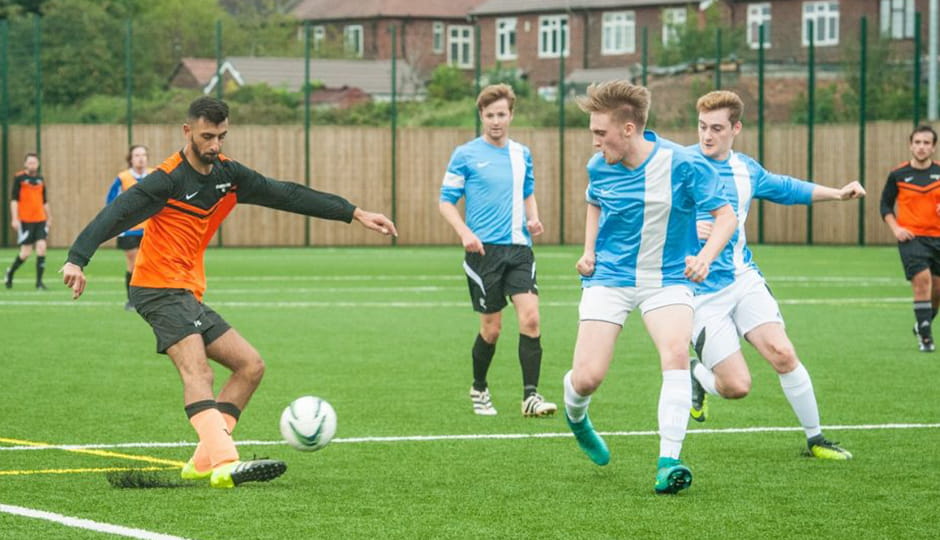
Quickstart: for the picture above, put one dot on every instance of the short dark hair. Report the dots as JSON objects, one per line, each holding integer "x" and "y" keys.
{"x": 130, "y": 151}
{"x": 923, "y": 128}
{"x": 29, "y": 155}
{"x": 212, "y": 109}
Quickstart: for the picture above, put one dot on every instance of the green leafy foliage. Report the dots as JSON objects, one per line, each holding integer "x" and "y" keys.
{"x": 694, "y": 42}
{"x": 449, "y": 83}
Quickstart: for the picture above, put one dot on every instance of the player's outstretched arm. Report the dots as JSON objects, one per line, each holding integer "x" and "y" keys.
{"x": 74, "y": 278}
{"x": 852, "y": 190}
{"x": 375, "y": 222}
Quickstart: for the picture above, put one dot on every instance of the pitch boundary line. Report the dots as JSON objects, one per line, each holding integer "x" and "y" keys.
{"x": 81, "y": 523}
{"x": 470, "y": 436}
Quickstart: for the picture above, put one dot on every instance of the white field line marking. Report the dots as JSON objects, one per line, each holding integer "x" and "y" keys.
{"x": 477, "y": 436}
{"x": 873, "y": 301}
{"x": 79, "y": 523}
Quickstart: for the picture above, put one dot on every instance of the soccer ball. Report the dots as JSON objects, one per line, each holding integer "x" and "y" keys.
{"x": 308, "y": 423}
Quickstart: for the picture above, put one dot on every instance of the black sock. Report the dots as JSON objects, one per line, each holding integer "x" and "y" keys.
{"x": 530, "y": 358}
{"x": 17, "y": 262}
{"x": 127, "y": 284}
{"x": 482, "y": 356}
{"x": 197, "y": 407}
{"x": 933, "y": 313}
{"x": 40, "y": 268}
{"x": 923, "y": 312}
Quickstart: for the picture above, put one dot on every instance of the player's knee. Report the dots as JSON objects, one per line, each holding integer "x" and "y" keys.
{"x": 529, "y": 324}
{"x": 782, "y": 357}
{"x": 254, "y": 370}
{"x": 200, "y": 374}
{"x": 490, "y": 332}
{"x": 586, "y": 383}
{"x": 735, "y": 388}
{"x": 675, "y": 356}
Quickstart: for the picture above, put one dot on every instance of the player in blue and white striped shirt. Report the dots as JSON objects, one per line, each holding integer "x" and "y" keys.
{"x": 494, "y": 174}
{"x": 734, "y": 301}
{"x": 641, "y": 251}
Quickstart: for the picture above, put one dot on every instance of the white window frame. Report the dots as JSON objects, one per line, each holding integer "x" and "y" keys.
{"x": 554, "y": 37}
{"x": 618, "y": 32}
{"x": 897, "y": 19}
{"x": 673, "y": 19}
{"x": 437, "y": 37}
{"x": 317, "y": 37}
{"x": 758, "y": 14}
{"x": 353, "y": 40}
{"x": 825, "y": 17}
{"x": 506, "y": 38}
{"x": 460, "y": 45}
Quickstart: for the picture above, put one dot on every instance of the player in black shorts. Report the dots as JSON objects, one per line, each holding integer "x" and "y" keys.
{"x": 909, "y": 205}
{"x": 30, "y": 219}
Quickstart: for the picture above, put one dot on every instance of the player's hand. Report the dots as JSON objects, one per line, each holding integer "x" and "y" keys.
{"x": 696, "y": 269}
{"x": 376, "y": 222}
{"x": 74, "y": 278}
{"x": 585, "y": 265}
{"x": 703, "y": 229}
{"x": 902, "y": 234}
{"x": 15, "y": 223}
{"x": 852, "y": 190}
{"x": 535, "y": 227}
{"x": 938, "y": 209}
{"x": 472, "y": 244}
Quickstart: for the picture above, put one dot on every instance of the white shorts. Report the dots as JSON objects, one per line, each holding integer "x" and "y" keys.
{"x": 614, "y": 304}
{"x": 724, "y": 317}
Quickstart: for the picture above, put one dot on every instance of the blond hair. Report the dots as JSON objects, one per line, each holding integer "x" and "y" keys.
{"x": 625, "y": 102}
{"x": 722, "y": 99}
{"x": 493, "y": 93}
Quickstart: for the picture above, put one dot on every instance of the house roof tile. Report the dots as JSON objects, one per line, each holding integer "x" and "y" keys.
{"x": 360, "y": 9}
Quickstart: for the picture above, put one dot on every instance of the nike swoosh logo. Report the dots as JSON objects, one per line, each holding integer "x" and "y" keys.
{"x": 481, "y": 164}
{"x": 191, "y": 195}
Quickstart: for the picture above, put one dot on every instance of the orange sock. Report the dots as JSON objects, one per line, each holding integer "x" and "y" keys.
{"x": 214, "y": 437}
{"x": 201, "y": 457}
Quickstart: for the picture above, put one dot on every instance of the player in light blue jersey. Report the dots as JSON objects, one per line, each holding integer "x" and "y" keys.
{"x": 641, "y": 252}
{"x": 735, "y": 301}
{"x": 493, "y": 174}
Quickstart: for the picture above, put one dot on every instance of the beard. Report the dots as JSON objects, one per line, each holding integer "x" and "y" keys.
{"x": 207, "y": 158}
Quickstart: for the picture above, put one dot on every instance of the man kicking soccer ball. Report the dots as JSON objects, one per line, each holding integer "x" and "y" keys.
{"x": 734, "y": 299}
{"x": 186, "y": 199}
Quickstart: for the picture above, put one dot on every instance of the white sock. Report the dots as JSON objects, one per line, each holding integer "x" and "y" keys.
{"x": 675, "y": 399}
{"x": 798, "y": 388}
{"x": 705, "y": 377}
{"x": 576, "y": 405}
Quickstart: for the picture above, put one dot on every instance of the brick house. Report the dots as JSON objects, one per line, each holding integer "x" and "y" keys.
{"x": 429, "y": 32}
{"x": 603, "y": 35}
{"x": 598, "y": 37}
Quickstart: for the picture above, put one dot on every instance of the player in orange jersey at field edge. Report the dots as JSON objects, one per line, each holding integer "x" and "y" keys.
{"x": 30, "y": 218}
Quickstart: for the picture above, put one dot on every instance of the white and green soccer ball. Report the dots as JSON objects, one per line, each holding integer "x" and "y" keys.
{"x": 308, "y": 423}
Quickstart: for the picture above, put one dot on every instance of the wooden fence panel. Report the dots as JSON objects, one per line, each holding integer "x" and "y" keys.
{"x": 81, "y": 161}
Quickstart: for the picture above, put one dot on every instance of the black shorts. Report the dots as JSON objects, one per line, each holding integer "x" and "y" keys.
{"x": 174, "y": 314}
{"x": 503, "y": 271}
{"x": 30, "y": 233}
{"x": 129, "y": 242}
{"x": 919, "y": 254}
